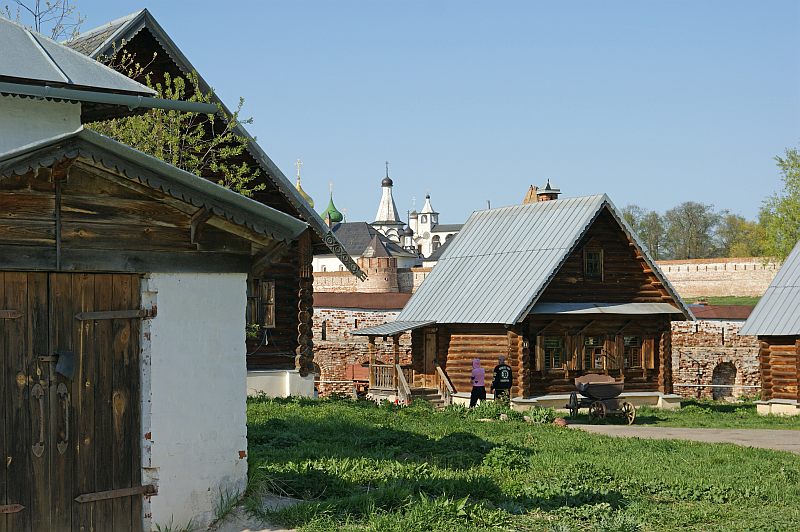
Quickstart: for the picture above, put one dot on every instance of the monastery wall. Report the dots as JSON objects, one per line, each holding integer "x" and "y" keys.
{"x": 712, "y": 352}
{"x": 720, "y": 277}
{"x": 408, "y": 280}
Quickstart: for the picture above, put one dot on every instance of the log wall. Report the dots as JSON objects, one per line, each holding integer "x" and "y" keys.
{"x": 626, "y": 277}
{"x": 779, "y": 357}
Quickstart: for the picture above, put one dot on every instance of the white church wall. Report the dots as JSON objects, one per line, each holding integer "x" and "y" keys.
{"x": 27, "y": 120}
{"x": 328, "y": 263}
{"x": 193, "y": 394}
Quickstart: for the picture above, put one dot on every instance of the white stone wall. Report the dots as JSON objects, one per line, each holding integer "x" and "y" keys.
{"x": 720, "y": 277}
{"x": 193, "y": 395}
{"x": 27, "y": 120}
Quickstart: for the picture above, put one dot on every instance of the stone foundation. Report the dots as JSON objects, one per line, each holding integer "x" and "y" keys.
{"x": 712, "y": 352}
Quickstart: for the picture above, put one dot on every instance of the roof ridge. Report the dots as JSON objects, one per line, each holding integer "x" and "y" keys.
{"x": 98, "y": 29}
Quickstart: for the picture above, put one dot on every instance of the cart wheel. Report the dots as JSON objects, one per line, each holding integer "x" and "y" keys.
{"x": 629, "y": 411}
{"x": 597, "y": 410}
{"x": 573, "y": 405}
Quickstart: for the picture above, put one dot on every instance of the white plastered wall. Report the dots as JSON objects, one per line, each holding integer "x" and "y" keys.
{"x": 194, "y": 433}
{"x": 27, "y": 120}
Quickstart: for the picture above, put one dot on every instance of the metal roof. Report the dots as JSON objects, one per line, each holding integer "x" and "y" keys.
{"x": 156, "y": 174}
{"x": 29, "y": 57}
{"x": 604, "y": 308}
{"x": 503, "y": 259}
{"x": 778, "y": 311}
{"x": 124, "y": 29}
{"x": 392, "y": 328}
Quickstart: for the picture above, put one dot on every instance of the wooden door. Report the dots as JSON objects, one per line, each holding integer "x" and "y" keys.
{"x": 69, "y": 444}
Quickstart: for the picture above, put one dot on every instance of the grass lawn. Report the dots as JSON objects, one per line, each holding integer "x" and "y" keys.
{"x": 365, "y": 467}
{"x": 707, "y": 414}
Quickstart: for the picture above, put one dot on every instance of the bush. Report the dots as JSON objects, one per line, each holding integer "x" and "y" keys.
{"x": 538, "y": 414}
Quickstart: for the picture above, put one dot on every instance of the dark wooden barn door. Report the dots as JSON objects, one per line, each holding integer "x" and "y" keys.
{"x": 69, "y": 443}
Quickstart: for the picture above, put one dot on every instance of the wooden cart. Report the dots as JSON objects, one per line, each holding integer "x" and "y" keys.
{"x": 600, "y": 394}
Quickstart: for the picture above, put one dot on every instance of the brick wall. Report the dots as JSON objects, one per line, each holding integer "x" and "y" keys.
{"x": 340, "y": 348}
{"x": 698, "y": 348}
{"x": 720, "y": 277}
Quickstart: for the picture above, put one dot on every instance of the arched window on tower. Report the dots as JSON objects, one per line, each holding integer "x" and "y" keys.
{"x": 436, "y": 243}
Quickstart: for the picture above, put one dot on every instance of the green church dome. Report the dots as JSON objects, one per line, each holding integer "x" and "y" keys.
{"x": 332, "y": 213}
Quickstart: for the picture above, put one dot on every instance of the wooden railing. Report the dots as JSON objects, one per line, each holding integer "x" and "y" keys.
{"x": 403, "y": 389}
{"x": 408, "y": 372}
{"x": 383, "y": 377}
{"x": 444, "y": 386}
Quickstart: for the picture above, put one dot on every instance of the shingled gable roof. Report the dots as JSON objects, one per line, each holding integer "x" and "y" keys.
{"x": 504, "y": 259}
{"x": 102, "y": 40}
{"x": 778, "y": 312}
{"x": 153, "y": 173}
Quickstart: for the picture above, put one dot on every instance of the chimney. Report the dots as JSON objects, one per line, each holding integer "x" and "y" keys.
{"x": 547, "y": 193}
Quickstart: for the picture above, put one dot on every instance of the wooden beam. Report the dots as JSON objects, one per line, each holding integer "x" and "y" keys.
{"x": 537, "y": 332}
{"x": 10, "y": 314}
{"x": 198, "y": 219}
{"x": 624, "y": 326}
{"x": 267, "y": 256}
{"x": 371, "y": 346}
{"x": 580, "y": 331}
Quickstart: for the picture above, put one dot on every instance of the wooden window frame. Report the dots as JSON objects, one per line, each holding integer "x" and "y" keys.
{"x": 632, "y": 352}
{"x": 594, "y": 354}
{"x": 593, "y": 276}
{"x": 547, "y": 351}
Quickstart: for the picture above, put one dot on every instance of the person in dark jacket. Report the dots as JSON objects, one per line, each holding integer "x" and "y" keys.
{"x": 501, "y": 384}
{"x": 477, "y": 377}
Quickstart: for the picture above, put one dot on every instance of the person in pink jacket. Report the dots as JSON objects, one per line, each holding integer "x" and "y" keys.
{"x": 478, "y": 383}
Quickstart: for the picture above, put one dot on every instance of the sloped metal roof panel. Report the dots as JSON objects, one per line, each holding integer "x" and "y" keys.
{"x": 32, "y": 57}
{"x": 394, "y": 327}
{"x": 501, "y": 261}
{"x": 778, "y": 312}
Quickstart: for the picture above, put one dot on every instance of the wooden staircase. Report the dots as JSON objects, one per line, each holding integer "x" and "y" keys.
{"x": 432, "y": 395}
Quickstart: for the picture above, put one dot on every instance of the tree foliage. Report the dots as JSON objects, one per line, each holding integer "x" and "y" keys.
{"x": 780, "y": 213}
{"x": 739, "y": 237}
{"x": 649, "y": 225}
{"x": 58, "y": 19}
{"x": 205, "y": 145}
{"x": 690, "y": 232}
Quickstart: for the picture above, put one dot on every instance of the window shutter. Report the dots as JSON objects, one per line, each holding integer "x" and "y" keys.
{"x": 539, "y": 349}
{"x": 648, "y": 352}
{"x": 267, "y": 295}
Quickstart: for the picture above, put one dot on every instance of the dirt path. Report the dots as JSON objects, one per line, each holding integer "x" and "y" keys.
{"x": 240, "y": 521}
{"x": 779, "y": 440}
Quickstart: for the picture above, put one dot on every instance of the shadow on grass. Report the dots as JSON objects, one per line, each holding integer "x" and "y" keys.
{"x": 353, "y": 468}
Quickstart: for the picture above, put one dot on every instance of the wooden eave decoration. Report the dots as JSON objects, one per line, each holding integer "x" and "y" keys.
{"x": 92, "y": 150}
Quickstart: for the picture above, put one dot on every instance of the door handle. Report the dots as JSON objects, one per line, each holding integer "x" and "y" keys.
{"x": 38, "y": 394}
{"x": 63, "y": 394}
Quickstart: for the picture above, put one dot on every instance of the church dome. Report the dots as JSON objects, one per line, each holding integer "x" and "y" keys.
{"x": 304, "y": 194}
{"x": 387, "y": 182}
{"x": 408, "y": 232}
{"x": 332, "y": 213}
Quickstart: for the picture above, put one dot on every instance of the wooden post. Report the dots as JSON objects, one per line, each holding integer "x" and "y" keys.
{"x": 396, "y": 347}
{"x": 371, "y": 344}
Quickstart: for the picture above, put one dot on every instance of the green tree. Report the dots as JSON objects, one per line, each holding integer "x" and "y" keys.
{"x": 205, "y": 145}
{"x": 780, "y": 213}
{"x": 649, "y": 226}
{"x": 739, "y": 237}
{"x": 691, "y": 230}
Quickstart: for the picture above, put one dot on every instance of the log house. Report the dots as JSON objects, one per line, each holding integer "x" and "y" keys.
{"x": 776, "y": 322}
{"x": 561, "y": 288}
{"x": 280, "y": 287}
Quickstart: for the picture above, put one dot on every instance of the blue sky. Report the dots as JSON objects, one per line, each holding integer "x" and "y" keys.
{"x": 654, "y": 103}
